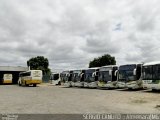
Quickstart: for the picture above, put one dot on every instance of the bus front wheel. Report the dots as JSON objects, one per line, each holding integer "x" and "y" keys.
{"x": 26, "y": 84}
{"x": 34, "y": 85}
{"x": 59, "y": 83}
{"x": 19, "y": 84}
{"x": 154, "y": 90}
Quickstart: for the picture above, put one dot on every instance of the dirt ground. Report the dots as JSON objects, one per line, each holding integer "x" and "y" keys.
{"x": 58, "y": 99}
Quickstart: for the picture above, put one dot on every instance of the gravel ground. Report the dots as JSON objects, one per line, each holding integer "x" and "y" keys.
{"x": 58, "y": 99}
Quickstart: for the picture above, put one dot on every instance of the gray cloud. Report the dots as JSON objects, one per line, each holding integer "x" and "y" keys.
{"x": 71, "y": 33}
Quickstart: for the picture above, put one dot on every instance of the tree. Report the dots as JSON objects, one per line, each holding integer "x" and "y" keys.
{"x": 106, "y": 59}
{"x": 39, "y": 63}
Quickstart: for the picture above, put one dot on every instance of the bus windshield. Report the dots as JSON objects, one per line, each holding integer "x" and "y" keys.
{"x": 104, "y": 76}
{"x": 77, "y": 77}
{"x": 88, "y": 75}
{"x": 126, "y": 73}
{"x": 151, "y": 72}
{"x": 65, "y": 76}
{"x": 55, "y": 77}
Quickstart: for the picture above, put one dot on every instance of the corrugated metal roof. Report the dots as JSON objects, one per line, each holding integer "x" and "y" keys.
{"x": 13, "y": 68}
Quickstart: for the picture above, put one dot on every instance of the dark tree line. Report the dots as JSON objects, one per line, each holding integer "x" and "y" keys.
{"x": 39, "y": 63}
{"x": 102, "y": 61}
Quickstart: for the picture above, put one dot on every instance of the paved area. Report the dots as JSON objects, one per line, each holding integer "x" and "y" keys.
{"x": 48, "y": 99}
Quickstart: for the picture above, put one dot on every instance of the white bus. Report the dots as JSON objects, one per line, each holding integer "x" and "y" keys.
{"x": 55, "y": 79}
{"x": 66, "y": 78}
{"x": 31, "y": 77}
{"x": 76, "y": 76}
{"x": 107, "y": 76}
{"x": 7, "y": 78}
{"x": 91, "y": 77}
{"x": 129, "y": 76}
{"x": 151, "y": 75}
{"x": 80, "y": 80}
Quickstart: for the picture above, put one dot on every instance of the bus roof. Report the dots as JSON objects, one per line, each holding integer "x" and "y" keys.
{"x": 94, "y": 68}
{"x": 107, "y": 66}
{"x": 152, "y": 63}
{"x": 55, "y": 73}
{"x": 75, "y": 71}
{"x": 131, "y": 64}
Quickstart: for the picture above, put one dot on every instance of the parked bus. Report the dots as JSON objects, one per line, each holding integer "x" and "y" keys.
{"x": 151, "y": 75}
{"x": 76, "y": 76}
{"x": 55, "y": 79}
{"x": 31, "y": 77}
{"x": 80, "y": 81}
{"x": 129, "y": 76}
{"x": 107, "y": 76}
{"x": 91, "y": 77}
{"x": 66, "y": 78}
{"x": 7, "y": 78}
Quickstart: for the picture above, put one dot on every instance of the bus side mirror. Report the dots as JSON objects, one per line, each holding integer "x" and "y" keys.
{"x": 96, "y": 73}
{"x": 134, "y": 71}
{"x": 93, "y": 74}
{"x": 115, "y": 73}
{"x": 110, "y": 72}
{"x": 82, "y": 75}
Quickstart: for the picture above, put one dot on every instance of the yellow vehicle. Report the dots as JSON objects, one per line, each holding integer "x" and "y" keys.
{"x": 31, "y": 77}
{"x": 7, "y": 78}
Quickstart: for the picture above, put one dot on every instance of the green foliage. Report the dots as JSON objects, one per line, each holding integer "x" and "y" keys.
{"x": 102, "y": 61}
{"x": 39, "y": 63}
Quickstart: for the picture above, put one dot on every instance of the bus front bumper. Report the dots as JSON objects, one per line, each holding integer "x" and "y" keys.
{"x": 72, "y": 84}
{"x": 107, "y": 85}
{"x": 79, "y": 84}
{"x": 53, "y": 82}
{"x": 92, "y": 85}
{"x": 86, "y": 84}
{"x": 133, "y": 85}
{"x": 67, "y": 84}
{"x": 121, "y": 84}
{"x": 7, "y": 81}
{"x": 151, "y": 86}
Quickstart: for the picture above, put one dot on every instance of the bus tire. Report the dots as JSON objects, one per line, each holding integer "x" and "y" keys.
{"x": 26, "y": 84}
{"x": 19, "y": 84}
{"x": 130, "y": 88}
{"x": 34, "y": 85}
{"x": 59, "y": 83}
{"x": 154, "y": 90}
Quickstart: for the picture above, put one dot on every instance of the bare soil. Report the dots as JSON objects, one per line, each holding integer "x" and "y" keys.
{"x": 58, "y": 99}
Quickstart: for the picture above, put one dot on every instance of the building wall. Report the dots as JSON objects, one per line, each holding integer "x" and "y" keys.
{"x": 12, "y": 70}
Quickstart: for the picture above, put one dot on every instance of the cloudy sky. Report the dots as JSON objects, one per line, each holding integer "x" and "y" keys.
{"x": 70, "y": 33}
